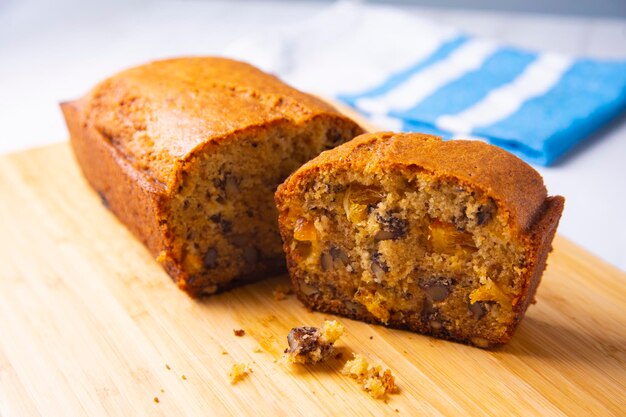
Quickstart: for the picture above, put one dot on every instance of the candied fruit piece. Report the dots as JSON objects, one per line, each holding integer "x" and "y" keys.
{"x": 375, "y": 303}
{"x": 446, "y": 238}
{"x": 304, "y": 230}
{"x": 303, "y": 249}
{"x": 193, "y": 262}
{"x": 489, "y": 291}
{"x": 357, "y": 199}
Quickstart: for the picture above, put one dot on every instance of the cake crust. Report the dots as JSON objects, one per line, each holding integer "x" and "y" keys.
{"x": 511, "y": 183}
{"x": 498, "y": 173}
{"x": 135, "y": 135}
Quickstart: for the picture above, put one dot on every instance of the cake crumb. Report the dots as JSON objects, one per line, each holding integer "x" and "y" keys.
{"x": 312, "y": 344}
{"x": 281, "y": 292}
{"x": 167, "y": 367}
{"x": 238, "y": 372}
{"x": 183, "y": 377}
{"x": 156, "y": 400}
{"x": 257, "y": 349}
{"x": 239, "y": 332}
{"x": 372, "y": 378}
{"x": 331, "y": 331}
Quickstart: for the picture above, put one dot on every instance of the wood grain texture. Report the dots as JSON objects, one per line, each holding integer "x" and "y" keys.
{"x": 89, "y": 325}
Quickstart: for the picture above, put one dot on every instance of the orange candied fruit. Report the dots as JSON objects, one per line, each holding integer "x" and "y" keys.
{"x": 489, "y": 291}
{"x": 304, "y": 230}
{"x": 445, "y": 238}
{"x": 358, "y": 198}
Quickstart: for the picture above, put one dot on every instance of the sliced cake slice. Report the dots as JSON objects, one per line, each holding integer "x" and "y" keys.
{"x": 406, "y": 230}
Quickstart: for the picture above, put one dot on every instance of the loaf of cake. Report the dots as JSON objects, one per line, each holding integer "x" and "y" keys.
{"x": 188, "y": 152}
{"x": 443, "y": 238}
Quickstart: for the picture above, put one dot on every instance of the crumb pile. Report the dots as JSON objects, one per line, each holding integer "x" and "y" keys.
{"x": 373, "y": 379}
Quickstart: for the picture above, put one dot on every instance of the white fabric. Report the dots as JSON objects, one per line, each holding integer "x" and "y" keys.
{"x": 467, "y": 58}
{"x": 538, "y": 78}
{"x": 358, "y": 40}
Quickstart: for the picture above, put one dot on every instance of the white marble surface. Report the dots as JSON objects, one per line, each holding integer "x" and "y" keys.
{"x": 52, "y": 51}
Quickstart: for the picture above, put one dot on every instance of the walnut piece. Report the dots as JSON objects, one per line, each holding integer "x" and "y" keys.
{"x": 312, "y": 344}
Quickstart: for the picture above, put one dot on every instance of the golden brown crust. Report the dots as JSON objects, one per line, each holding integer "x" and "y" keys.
{"x": 135, "y": 200}
{"x": 541, "y": 237}
{"x": 161, "y": 113}
{"x": 498, "y": 173}
{"x": 513, "y": 184}
{"x": 134, "y": 134}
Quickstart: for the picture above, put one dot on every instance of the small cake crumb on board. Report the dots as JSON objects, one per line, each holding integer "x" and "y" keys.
{"x": 312, "y": 344}
{"x": 281, "y": 292}
{"x": 239, "y": 332}
{"x": 238, "y": 372}
{"x": 373, "y": 379}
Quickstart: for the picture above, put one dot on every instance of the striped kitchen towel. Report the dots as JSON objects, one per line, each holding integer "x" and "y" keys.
{"x": 408, "y": 73}
{"x": 536, "y": 105}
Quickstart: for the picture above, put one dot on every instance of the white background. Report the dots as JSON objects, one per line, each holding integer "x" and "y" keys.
{"x": 56, "y": 50}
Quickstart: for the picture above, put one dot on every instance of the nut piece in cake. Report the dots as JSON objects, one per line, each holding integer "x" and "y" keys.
{"x": 312, "y": 344}
{"x": 446, "y": 238}
{"x": 373, "y": 379}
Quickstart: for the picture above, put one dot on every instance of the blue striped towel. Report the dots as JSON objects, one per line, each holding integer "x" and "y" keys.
{"x": 412, "y": 74}
{"x": 535, "y": 105}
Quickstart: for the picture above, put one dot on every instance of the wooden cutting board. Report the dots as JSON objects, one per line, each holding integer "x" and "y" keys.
{"x": 91, "y": 325}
